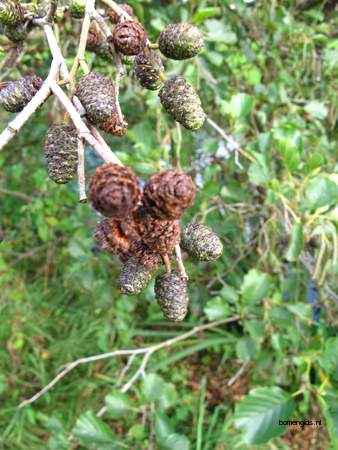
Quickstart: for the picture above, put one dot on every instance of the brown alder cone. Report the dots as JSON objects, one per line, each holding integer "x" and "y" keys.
{"x": 115, "y": 236}
{"x": 114, "y": 17}
{"x": 144, "y": 255}
{"x": 115, "y": 125}
{"x": 168, "y": 194}
{"x": 160, "y": 236}
{"x": 129, "y": 38}
{"x": 115, "y": 190}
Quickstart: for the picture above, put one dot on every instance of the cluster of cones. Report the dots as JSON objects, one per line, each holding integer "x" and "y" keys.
{"x": 128, "y": 39}
{"x": 142, "y": 228}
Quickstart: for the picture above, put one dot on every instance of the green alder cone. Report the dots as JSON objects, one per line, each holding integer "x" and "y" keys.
{"x": 180, "y": 41}
{"x": 77, "y": 8}
{"x": 171, "y": 291}
{"x": 148, "y": 68}
{"x": 182, "y": 103}
{"x": 11, "y": 13}
{"x": 201, "y": 242}
{"x": 61, "y": 153}
{"x": 17, "y": 94}
{"x": 134, "y": 278}
{"x": 17, "y": 33}
{"x": 96, "y": 93}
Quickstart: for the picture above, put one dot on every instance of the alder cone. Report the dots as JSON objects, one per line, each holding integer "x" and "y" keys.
{"x": 61, "y": 153}
{"x": 148, "y": 67}
{"x": 115, "y": 190}
{"x": 161, "y": 236}
{"x": 98, "y": 44}
{"x": 134, "y": 277}
{"x": 77, "y": 8}
{"x": 200, "y": 242}
{"x": 15, "y": 95}
{"x": 168, "y": 194}
{"x": 115, "y": 236}
{"x": 171, "y": 291}
{"x": 97, "y": 94}
{"x": 11, "y": 13}
{"x": 180, "y": 41}
{"x": 115, "y": 125}
{"x": 144, "y": 255}
{"x": 182, "y": 103}
{"x": 129, "y": 38}
{"x": 115, "y": 18}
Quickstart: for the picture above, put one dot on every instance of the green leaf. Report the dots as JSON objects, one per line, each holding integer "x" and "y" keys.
{"x": 89, "y": 429}
{"x": 175, "y": 442}
{"x": 205, "y": 13}
{"x": 217, "y": 309}
{"x": 241, "y": 105}
{"x": 316, "y": 109}
{"x": 296, "y": 243}
{"x": 321, "y": 191}
{"x": 256, "y": 286}
{"x": 329, "y": 359}
{"x": 220, "y": 32}
{"x": 259, "y": 413}
{"x": 259, "y": 171}
{"x": 152, "y": 387}
{"x": 289, "y": 143}
{"x": 246, "y": 348}
{"x": 117, "y": 403}
{"x": 163, "y": 426}
{"x": 229, "y": 293}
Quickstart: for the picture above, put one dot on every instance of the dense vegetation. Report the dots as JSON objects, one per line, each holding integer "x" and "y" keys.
{"x": 268, "y": 77}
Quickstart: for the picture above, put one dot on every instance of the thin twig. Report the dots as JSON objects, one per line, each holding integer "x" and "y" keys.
{"x": 81, "y": 171}
{"x": 80, "y": 56}
{"x": 107, "y": 156}
{"x": 179, "y": 262}
{"x": 147, "y": 351}
{"x": 167, "y": 263}
{"x": 234, "y": 146}
{"x": 40, "y": 97}
{"x": 238, "y": 374}
{"x": 117, "y": 9}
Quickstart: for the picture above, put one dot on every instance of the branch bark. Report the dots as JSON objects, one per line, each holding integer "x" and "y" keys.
{"x": 146, "y": 351}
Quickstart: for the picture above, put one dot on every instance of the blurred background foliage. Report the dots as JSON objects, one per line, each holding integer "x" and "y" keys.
{"x": 268, "y": 77}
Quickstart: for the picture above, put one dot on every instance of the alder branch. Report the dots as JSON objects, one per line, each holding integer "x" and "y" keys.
{"x": 146, "y": 351}
{"x": 39, "y": 98}
{"x": 107, "y": 156}
{"x": 81, "y": 171}
{"x": 80, "y": 56}
{"x": 233, "y": 145}
{"x": 117, "y": 9}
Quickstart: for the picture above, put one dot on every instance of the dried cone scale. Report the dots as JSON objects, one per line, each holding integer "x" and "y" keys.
{"x": 115, "y": 236}
{"x": 148, "y": 67}
{"x": 97, "y": 94}
{"x": 129, "y": 38}
{"x": 182, "y": 103}
{"x": 15, "y": 95}
{"x": 160, "y": 236}
{"x": 145, "y": 255}
{"x": 180, "y": 41}
{"x": 115, "y": 190}
{"x": 171, "y": 292}
{"x": 61, "y": 153}
{"x": 168, "y": 194}
{"x": 134, "y": 277}
{"x": 201, "y": 242}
